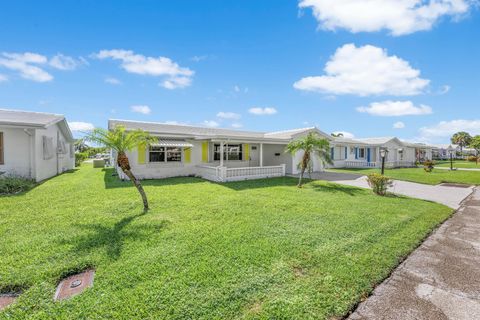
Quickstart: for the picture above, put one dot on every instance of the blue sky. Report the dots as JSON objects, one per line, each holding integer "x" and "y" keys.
{"x": 257, "y": 65}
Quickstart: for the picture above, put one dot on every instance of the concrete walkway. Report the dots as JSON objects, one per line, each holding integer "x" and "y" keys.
{"x": 460, "y": 169}
{"x": 448, "y": 195}
{"x": 439, "y": 280}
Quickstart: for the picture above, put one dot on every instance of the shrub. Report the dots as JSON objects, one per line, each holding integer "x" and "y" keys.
{"x": 428, "y": 165}
{"x": 472, "y": 159}
{"x": 80, "y": 157}
{"x": 379, "y": 183}
{"x": 14, "y": 185}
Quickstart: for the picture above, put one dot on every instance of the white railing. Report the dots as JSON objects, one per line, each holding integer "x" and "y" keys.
{"x": 210, "y": 173}
{"x": 399, "y": 164}
{"x": 360, "y": 164}
{"x": 254, "y": 172}
{"x": 223, "y": 174}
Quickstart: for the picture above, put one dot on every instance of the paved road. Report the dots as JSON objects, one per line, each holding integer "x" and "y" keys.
{"x": 447, "y": 195}
{"x": 439, "y": 280}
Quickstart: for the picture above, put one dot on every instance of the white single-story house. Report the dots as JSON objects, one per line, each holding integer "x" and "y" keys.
{"x": 34, "y": 145}
{"x": 228, "y": 155}
{"x": 441, "y": 151}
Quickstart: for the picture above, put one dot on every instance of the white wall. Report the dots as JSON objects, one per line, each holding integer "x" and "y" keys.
{"x": 16, "y": 152}
{"x": 270, "y": 159}
{"x": 59, "y": 163}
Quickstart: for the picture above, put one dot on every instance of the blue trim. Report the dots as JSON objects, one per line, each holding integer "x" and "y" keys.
{"x": 356, "y": 152}
{"x": 346, "y": 153}
{"x": 332, "y": 153}
{"x": 368, "y": 154}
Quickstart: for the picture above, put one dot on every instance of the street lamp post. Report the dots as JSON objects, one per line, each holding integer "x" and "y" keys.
{"x": 383, "y": 153}
{"x": 450, "y": 151}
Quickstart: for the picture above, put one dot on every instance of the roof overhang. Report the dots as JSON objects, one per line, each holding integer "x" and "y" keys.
{"x": 172, "y": 143}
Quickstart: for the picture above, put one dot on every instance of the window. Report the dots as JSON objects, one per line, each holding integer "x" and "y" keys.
{"x": 361, "y": 153}
{"x": 48, "y": 149}
{"x": 230, "y": 152}
{"x": 165, "y": 154}
{"x": 156, "y": 154}
{"x": 2, "y": 161}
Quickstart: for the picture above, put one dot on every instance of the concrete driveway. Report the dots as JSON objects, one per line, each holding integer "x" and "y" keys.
{"x": 451, "y": 196}
{"x": 439, "y": 280}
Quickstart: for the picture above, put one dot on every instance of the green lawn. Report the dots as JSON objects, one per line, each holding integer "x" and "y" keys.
{"x": 458, "y": 164}
{"x": 419, "y": 175}
{"x": 246, "y": 250}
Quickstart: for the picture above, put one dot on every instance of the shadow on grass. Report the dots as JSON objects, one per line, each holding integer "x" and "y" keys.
{"x": 112, "y": 180}
{"x": 335, "y": 188}
{"x": 260, "y": 183}
{"x": 112, "y": 238}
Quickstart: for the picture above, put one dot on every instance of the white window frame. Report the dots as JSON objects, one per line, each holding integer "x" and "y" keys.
{"x": 165, "y": 155}
{"x": 364, "y": 153}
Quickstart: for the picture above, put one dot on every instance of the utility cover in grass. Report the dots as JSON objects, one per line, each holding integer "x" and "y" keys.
{"x": 74, "y": 284}
{"x": 7, "y": 299}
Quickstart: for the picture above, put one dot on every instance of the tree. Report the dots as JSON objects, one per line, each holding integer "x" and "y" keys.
{"x": 337, "y": 135}
{"x": 461, "y": 138}
{"x": 311, "y": 145}
{"x": 475, "y": 144}
{"x": 121, "y": 140}
{"x": 80, "y": 145}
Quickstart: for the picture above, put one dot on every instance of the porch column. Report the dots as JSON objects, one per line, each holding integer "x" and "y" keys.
{"x": 261, "y": 154}
{"x": 221, "y": 153}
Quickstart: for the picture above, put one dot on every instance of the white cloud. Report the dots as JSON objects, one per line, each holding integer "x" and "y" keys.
{"x": 446, "y": 129}
{"x": 210, "y": 123}
{"x": 345, "y": 134}
{"x": 398, "y": 125}
{"x": 236, "y": 88}
{"x": 399, "y": 17}
{"x": 63, "y": 62}
{"x": 177, "y": 77}
{"x": 80, "y": 126}
{"x": 141, "y": 109}
{"x": 395, "y": 109}
{"x": 237, "y": 125}
{"x": 176, "y": 83}
{"x": 364, "y": 71}
{"x": 199, "y": 58}
{"x": 176, "y": 123}
{"x": 112, "y": 80}
{"x": 262, "y": 111}
{"x": 26, "y": 65}
{"x": 228, "y": 115}
{"x": 3, "y": 78}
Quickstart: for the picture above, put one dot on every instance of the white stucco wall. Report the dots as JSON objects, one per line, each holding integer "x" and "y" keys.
{"x": 59, "y": 163}
{"x": 16, "y": 152}
{"x": 270, "y": 159}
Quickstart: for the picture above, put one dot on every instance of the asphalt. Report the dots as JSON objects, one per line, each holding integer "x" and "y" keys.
{"x": 451, "y": 196}
{"x": 439, "y": 280}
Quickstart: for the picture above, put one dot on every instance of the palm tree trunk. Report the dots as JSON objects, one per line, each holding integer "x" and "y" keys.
{"x": 305, "y": 159}
{"x": 124, "y": 164}
{"x": 139, "y": 187}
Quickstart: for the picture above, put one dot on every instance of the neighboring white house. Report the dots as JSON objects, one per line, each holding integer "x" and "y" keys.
{"x": 34, "y": 145}
{"x": 187, "y": 150}
{"x": 441, "y": 151}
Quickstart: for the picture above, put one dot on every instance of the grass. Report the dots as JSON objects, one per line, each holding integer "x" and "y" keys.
{"x": 419, "y": 175}
{"x": 458, "y": 164}
{"x": 259, "y": 249}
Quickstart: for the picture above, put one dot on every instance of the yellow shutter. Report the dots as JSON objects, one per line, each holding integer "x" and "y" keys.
{"x": 142, "y": 152}
{"x": 246, "y": 152}
{"x": 188, "y": 155}
{"x": 205, "y": 151}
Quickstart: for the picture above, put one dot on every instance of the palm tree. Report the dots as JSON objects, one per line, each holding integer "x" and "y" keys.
{"x": 121, "y": 140}
{"x": 461, "y": 138}
{"x": 80, "y": 145}
{"x": 311, "y": 145}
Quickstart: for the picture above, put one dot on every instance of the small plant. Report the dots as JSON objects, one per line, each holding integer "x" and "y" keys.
{"x": 428, "y": 165}
{"x": 80, "y": 157}
{"x": 379, "y": 183}
{"x": 14, "y": 184}
{"x": 472, "y": 159}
